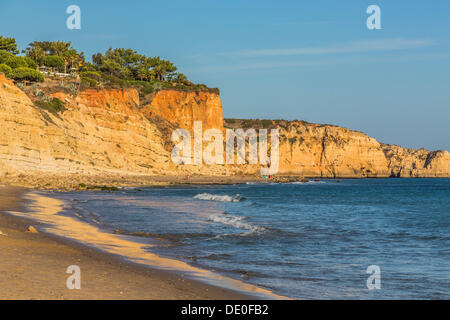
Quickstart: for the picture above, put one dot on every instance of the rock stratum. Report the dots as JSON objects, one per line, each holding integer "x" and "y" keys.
{"x": 109, "y": 135}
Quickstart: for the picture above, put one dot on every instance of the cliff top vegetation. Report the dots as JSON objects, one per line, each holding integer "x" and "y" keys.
{"x": 116, "y": 68}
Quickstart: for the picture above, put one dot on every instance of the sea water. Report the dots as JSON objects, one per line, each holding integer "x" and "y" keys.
{"x": 311, "y": 240}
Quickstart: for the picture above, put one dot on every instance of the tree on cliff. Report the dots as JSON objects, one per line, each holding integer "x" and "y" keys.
{"x": 38, "y": 50}
{"x": 4, "y": 68}
{"x": 146, "y": 74}
{"x": 179, "y": 78}
{"x": 27, "y": 74}
{"x": 8, "y": 44}
{"x": 44, "y": 45}
{"x": 65, "y": 51}
{"x": 35, "y": 53}
{"x": 76, "y": 59}
{"x": 54, "y": 62}
{"x": 116, "y": 67}
{"x": 162, "y": 68}
{"x": 15, "y": 61}
{"x": 73, "y": 58}
{"x": 122, "y": 63}
{"x": 129, "y": 64}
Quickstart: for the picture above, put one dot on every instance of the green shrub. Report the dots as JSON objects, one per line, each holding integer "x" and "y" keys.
{"x": 115, "y": 81}
{"x": 147, "y": 89}
{"x": 30, "y": 62}
{"x": 92, "y": 75}
{"x": 53, "y": 62}
{"x": 8, "y": 44}
{"x": 16, "y": 62}
{"x": 4, "y": 55}
{"x": 87, "y": 66}
{"x": 27, "y": 74}
{"x": 88, "y": 83}
{"x": 5, "y": 69}
{"x": 55, "y": 105}
{"x": 37, "y": 92}
{"x": 247, "y": 123}
{"x": 266, "y": 123}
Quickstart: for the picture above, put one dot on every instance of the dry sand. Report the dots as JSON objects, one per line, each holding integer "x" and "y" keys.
{"x": 33, "y": 266}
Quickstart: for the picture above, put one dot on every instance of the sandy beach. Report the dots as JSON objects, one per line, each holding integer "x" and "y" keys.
{"x": 33, "y": 266}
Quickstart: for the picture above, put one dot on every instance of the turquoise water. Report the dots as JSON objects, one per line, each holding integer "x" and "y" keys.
{"x": 304, "y": 240}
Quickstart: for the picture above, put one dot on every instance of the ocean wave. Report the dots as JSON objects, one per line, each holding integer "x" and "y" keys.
{"x": 221, "y": 198}
{"x": 240, "y": 235}
{"x": 235, "y": 221}
{"x": 216, "y": 256}
{"x": 257, "y": 182}
{"x": 307, "y": 182}
{"x": 172, "y": 237}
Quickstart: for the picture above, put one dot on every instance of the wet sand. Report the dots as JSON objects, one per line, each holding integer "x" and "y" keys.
{"x": 33, "y": 266}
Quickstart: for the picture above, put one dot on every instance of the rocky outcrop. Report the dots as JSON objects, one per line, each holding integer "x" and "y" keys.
{"x": 314, "y": 150}
{"x": 403, "y": 162}
{"x": 328, "y": 151}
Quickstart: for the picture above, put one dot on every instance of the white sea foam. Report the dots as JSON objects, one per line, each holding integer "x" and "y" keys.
{"x": 308, "y": 182}
{"x": 222, "y": 198}
{"x": 235, "y": 221}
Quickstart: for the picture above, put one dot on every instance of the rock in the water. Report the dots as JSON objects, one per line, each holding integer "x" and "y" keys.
{"x": 32, "y": 229}
{"x": 245, "y": 275}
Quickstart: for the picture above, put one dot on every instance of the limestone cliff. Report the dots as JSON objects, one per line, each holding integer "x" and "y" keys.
{"x": 99, "y": 132}
{"x": 327, "y": 151}
{"x": 103, "y": 134}
{"x": 108, "y": 133}
{"x": 403, "y": 162}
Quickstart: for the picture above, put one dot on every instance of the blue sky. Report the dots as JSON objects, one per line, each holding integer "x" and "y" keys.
{"x": 308, "y": 60}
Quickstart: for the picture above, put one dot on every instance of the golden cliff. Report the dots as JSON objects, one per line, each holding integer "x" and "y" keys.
{"x": 102, "y": 136}
{"x": 106, "y": 135}
{"x": 100, "y": 133}
{"x": 403, "y": 162}
{"x": 183, "y": 108}
{"x": 329, "y": 151}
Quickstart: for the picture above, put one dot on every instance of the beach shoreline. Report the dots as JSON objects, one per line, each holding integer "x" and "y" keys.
{"x": 34, "y": 266}
{"x": 77, "y": 182}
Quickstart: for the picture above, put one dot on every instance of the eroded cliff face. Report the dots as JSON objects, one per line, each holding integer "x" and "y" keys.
{"x": 99, "y": 132}
{"x": 183, "y": 108}
{"x": 314, "y": 150}
{"x": 403, "y": 162}
{"x": 107, "y": 133}
{"x": 102, "y": 134}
